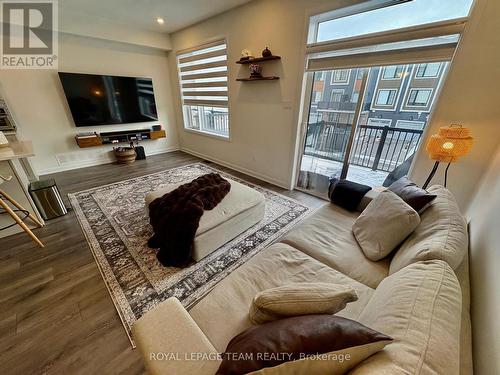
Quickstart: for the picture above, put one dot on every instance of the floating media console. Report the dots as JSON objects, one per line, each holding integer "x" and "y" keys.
{"x": 125, "y": 136}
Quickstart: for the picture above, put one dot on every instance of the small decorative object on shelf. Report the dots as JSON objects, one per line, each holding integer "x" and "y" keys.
{"x": 266, "y": 52}
{"x": 3, "y": 140}
{"x": 255, "y": 70}
{"x": 124, "y": 155}
{"x": 245, "y": 55}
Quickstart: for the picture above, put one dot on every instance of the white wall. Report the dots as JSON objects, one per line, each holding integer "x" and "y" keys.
{"x": 39, "y": 107}
{"x": 470, "y": 97}
{"x": 484, "y": 214}
{"x": 263, "y": 115}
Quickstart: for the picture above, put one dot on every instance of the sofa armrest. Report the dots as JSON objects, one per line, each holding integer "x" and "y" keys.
{"x": 365, "y": 201}
{"x": 171, "y": 342}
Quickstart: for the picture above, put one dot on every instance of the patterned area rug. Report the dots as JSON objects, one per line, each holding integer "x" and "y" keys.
{"x": 116, "y": 225}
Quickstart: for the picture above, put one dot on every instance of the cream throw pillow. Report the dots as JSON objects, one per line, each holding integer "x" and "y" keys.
{"x": 300, "y": 299}
{"x": 384, "y": 224}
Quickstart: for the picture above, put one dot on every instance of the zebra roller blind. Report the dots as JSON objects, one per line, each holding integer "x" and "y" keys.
{"x": 203, "y": 75}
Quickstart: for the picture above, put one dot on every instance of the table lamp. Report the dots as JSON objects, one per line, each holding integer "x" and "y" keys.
{"x": 450, "y": 143}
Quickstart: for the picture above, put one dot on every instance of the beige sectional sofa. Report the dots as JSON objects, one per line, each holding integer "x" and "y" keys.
{"x": 419, "y": 295}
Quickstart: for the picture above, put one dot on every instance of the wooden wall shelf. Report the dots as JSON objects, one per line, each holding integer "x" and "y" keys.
{"x": 258, "y": 59}
{"x": 257, "y": 79}
{"x": 127, "y": 136}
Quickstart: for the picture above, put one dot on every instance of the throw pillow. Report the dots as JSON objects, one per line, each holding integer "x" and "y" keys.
{"x": 384, "y": 224}
{"x": 347, "y": 194}
{"x": 300, "y": 299}
{"x": 317, "y": 344}
{"x": 408, "y": 191}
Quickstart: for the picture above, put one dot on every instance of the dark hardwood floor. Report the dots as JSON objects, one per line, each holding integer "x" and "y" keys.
{"x": 56, "y": 316}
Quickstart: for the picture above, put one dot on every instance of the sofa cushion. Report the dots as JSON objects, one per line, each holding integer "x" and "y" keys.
{"x": 347, "y": 194}
{"x": 413, "y": 195}
{"x": 300, "y": 299}
{"x": 384, "y": 224}
{"x": 442, "y": 234}
{"x": 338, "y": 362}
{"x": 327, "y": 236}
{"x": 223, "y": 313}
{"x": 420, "y": 308}
{"x": 288, "y": 342}
{"x": 153, "y": 334}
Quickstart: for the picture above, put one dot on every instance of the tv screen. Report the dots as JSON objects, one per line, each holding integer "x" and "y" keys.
{"x": 105, "y": 100}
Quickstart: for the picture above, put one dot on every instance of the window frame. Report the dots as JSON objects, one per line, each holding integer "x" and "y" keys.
{"x": 317, "y": 58}
{"x": 367, "y": 6}
{"x": 333, "y": 81}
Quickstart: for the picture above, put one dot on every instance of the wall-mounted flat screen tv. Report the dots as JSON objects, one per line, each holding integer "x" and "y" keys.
{"x": 106, "y": 100}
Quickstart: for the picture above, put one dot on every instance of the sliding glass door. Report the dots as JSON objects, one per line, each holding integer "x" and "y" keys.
{"x": 373, "y": 72}
{"x": 365, "y": 124}
{"x": 335, "y": 103}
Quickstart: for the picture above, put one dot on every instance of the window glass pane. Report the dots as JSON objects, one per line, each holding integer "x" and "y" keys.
{"x": 386, "y": 97}
{"x": 413, "y": 13}
{"x": 387, "y": 135}
{"x": 392, "y": 72}
{"x": 419, "y": 97}
{"x": 428, "y": 70}
{"x": 212, "y": 120}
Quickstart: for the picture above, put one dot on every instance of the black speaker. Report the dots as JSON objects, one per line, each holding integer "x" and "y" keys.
{"x": 141, "y": 155}
{"x": 156, "y": 127}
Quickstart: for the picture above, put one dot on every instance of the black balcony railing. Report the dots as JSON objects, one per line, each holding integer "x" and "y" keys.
{"x": 375, "y": 147}
{"x": 217, "y": 122}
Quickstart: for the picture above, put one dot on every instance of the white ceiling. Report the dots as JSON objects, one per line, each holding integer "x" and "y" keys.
{"x": 142, "y": 14}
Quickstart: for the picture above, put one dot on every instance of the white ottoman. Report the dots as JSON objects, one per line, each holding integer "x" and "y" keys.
{"x": 241, "y": 208}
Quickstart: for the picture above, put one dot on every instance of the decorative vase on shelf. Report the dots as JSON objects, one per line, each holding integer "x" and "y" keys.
{"x": 245, "y": 55}
{"x": 266, "y": 52}
{"x": 255, "y": 70}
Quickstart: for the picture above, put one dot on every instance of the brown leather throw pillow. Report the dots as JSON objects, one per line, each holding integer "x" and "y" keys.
{"x": 416, "y": 197}
{"x": 293, "y": 339}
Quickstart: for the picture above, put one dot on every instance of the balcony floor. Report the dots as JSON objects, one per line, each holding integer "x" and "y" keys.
{"x": 331, "y": 168}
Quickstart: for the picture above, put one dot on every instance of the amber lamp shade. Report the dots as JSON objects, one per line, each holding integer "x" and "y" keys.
{"x": 449, "y": 144}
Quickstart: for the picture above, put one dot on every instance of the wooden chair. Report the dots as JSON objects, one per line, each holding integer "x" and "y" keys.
{"x": 12, "y": 213}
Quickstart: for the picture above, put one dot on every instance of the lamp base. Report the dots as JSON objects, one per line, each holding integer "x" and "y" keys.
{"x": 431, "y": 175}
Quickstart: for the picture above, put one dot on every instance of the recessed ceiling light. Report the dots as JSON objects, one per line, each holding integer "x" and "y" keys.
{"x": 160, "y": 20}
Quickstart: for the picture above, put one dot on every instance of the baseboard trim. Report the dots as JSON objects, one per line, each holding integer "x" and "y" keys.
{"x": 99, "y": 161}
{"x": 247, "y": 171}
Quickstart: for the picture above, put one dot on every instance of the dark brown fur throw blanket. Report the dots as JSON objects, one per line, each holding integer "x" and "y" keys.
{"x": 175, "y": 217}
